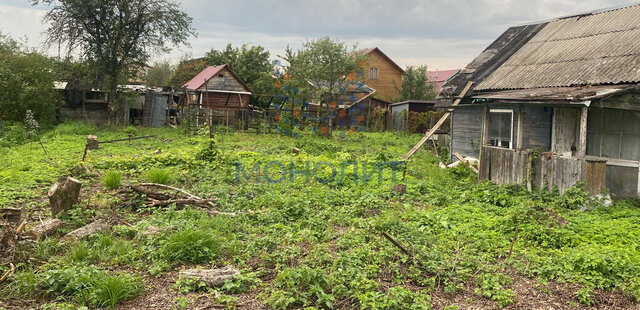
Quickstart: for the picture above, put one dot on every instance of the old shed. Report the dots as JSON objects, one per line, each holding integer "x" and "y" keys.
{"x": 555, "y": 103}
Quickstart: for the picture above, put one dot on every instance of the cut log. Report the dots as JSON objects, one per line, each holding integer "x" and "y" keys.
{"x": 11, "y": 217}
{"x": 212, "y": 277}
{"x": 92, "y": 142}
{"x": 63, "y": 194}
{"x": 84, "y": 231}
{"x": 151, "y": 231}
{"x": 295, "y": 150}
{"x": 44, "y": 229}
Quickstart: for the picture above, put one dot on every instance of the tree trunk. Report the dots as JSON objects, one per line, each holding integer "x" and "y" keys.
{"x": 44, "y": 229}
{"x": 84, "y": 231}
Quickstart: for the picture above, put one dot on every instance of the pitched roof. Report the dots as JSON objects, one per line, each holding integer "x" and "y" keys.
{"x": 594, "y": 48}
{"x": 603, "y": 48}
{"x": 438, "y": 77}
{"x": 209, "y": 72}
{"x": 370, "y": 50}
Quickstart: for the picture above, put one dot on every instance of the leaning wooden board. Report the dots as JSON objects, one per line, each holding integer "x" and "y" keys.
{"x": 439, "y": 123}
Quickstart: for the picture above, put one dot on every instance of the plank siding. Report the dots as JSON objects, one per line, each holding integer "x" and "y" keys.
{"x": 565, "y": 130}
{"x": 536, "y": 127}
{"x": 388, "y": 73}
{"x": 466, "y": 132}
{"x": 225, "y": 82}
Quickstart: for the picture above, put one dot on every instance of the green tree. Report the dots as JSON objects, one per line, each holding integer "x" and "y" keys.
{"x": 159, "y": 74}
{"x": 116, "y": 36}
{"x": 186, "y": 70}
{"x": 251, "y": 64}
{"x": 330, "y": 68}
{"x": 26, "y": 83}
{"x": 415, "y": 85}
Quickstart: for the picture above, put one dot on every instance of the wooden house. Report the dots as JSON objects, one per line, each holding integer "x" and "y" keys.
{"x": 381, "y": 73}
{"x": 554, "y": 103}
{"x": 217, "y": 87}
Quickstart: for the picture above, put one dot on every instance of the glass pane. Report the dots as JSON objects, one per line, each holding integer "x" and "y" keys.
{"x": 494, "y": 128}
{"x": 611, "y": 145}
{"x": 612, "y": 120}
{"x": 594, "y": 119}
{"x": 505, "y": 126}
{"x": 593, "y": 143}
{"x": 630, "y": 146}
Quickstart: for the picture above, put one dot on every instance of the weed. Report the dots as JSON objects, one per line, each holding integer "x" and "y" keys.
{"x": 112, "y": 289}
{"x": 157, "y": 175}
{"x": 584, "y": 296}
{"x": 190, "y": 245}
{"x": 112, "y": 179}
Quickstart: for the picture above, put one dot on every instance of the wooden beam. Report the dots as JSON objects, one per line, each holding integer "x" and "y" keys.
{"x": 582, "y": 138}
{"x": 439, "y": 123}
{"x": 520, "y": 127}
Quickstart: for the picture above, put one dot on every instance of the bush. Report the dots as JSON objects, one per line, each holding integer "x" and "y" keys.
{"x": 112, "y": 179}
{"x": 157, "y": 175}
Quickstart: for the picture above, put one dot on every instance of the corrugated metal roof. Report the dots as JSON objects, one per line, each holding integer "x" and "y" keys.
{"x": 601, "y": 48}
{"x": 203, "y": 77}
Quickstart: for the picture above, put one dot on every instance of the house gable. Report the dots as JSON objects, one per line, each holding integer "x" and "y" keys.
{"x": 381, "y": 73}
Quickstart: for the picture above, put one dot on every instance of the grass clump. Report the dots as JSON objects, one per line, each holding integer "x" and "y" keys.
{"x": 190, "y": 245}
{"x": 88, "y": 285}
{"x": 157, "y": 175}
{"x": 112, "y": 179}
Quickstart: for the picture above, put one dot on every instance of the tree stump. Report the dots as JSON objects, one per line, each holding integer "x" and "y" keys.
{"x": 44, "y": 229}
{"x": 63, "y": 194}
{"x": 92, "y": 142}
{"x": 212, "y": 277}
{"x": 84, "y": 231}
{"x": 399, "y": 188}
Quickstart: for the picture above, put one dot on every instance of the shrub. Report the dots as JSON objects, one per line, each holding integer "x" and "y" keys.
{"x": 112, "y": 289}
{"x": 157, "y": 175}
{"x": 112, "y": 179}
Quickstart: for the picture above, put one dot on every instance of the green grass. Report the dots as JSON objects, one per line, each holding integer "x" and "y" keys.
{"x": 307, "y": 244}
{"x": 160, "y": 176}
{"x": 112, "y": 179}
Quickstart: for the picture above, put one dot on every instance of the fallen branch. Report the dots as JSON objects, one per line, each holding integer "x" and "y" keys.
{"x": 12, "y": 268}
{"x": 397, "y": 244}
{"x": 178, "y": 201}
{"x": 190, "y": 195}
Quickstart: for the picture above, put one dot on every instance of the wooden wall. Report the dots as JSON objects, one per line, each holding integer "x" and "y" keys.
{"x": 226, "y": 82}
{"x": 536, "y": 127}
{"x": 466, "y": 130}
{"x": 503, "y": 166}
{"x": 387, "y": 74}
{"x": 565, "y": 130}
{"x": 217, "y": 100}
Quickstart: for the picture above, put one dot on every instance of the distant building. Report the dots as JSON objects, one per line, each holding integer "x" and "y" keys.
{"x": 217, "y": 87}
{"x": 380, "y": 73}
{"x": 439, "y": 77}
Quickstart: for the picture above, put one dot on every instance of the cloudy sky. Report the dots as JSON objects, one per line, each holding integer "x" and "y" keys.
{"x": 442, "y": 34}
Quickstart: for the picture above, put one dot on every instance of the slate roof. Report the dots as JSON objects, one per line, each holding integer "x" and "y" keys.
{"x": 596, "y": 48}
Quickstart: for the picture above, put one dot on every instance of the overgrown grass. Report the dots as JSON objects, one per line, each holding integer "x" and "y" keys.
{"x": 157, "y": 175}
{"x": 307, "y": 244}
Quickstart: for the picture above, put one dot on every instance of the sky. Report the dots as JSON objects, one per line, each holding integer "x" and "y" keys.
{"x": 442, "y": 34}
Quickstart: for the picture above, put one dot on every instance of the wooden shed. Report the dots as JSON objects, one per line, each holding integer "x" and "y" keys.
{"x": 217, "y": 87}
{"x": 555, "y": 103}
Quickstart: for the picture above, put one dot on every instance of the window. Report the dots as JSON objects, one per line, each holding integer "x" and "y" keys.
{"x": 613, "y": 133}
{"x": 500, "y": 128}
{"x": 373, "y": 73}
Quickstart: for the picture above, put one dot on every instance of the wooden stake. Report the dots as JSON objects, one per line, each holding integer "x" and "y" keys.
{"x": 397, "y": 244}
{"x": 513, "y": 240}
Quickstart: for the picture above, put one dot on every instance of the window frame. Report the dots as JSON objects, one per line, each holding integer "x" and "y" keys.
{"x": 510, "y": 111}
{"x": 371, "y": 71}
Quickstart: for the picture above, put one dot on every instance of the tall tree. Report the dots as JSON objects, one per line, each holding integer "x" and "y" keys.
{"x": 116, "y": 36}
{"x": 415, "y": 85}
{"x": 159, "y": 73}
{"x": 330, "y": 68}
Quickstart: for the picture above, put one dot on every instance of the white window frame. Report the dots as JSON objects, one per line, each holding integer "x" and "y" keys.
{"x": 510, "y": 111}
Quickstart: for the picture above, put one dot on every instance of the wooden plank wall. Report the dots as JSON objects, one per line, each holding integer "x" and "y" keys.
{"x": 536, "y": 127}
{"x": 503, "y": 166}
{"x": 466, "y": 131}
{"x": 595, "y": 176}
{"x": 227, "y": 82}
{"x": 565, "y": 130}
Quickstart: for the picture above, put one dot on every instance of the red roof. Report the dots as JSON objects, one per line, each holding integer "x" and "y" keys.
{"x": 438, "y": 77}
{"x": 369, "y": 50}
{"x": 203, "y": 77}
